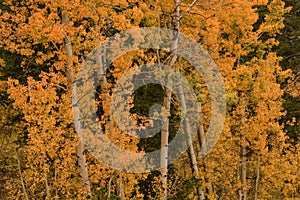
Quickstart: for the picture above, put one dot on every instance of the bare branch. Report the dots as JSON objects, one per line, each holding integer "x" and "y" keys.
{"x": 188, "y": 9}
{"x": 293, "y": 55}
{"x": 21, "y": 178}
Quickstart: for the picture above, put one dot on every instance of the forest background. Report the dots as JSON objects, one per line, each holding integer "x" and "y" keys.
{"x": 255, "y": 44}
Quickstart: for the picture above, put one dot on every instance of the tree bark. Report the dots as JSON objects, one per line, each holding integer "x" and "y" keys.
{"x": 244, "y": 158}
{"x": 201, "y": 138}
{"x": 202, "y": 152}
{"x": 83, "y": 170}
{"x": 21, "y": 178}
{"x": 120, "y": 190}
{"x": 164, "y": 145}
{"x": 101, "y": 63}
{"x": 167, "y": 104}
{"x": 257, "y": 176}
{"x": 244, "y": 173}
{"x": 186, "y": 126}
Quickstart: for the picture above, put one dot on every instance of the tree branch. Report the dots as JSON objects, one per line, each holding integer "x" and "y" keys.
{"x": 188, "y": 9}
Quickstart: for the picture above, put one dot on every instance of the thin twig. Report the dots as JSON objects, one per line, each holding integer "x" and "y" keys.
{"x": 188, "y": 9}
{"x": 21, "y": 178}
{"x": 109, "y": 186}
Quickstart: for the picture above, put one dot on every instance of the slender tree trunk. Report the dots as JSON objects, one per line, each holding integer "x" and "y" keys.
{"x": 244, "y": 158}
{"x": 201, "y": 138}
{"x": 55, "y": 180}
{"x": 209, "y": 181}
{"x": 83, "y": 170}
{"x": 186, "y": 126}
{"x": 120, "y": 190}
{"x": 21, "y": 178}
{"x": 101, "y": 63}
{"x": 46, "y": 185}
{"x": 109, "y": 186}
{"x": 210, "y": 187}
{"x": 202, "y": 152}
{"x": 164, "y": 145}
{"x": 257, "y": 176}
{"x": 244, "y": 173}
{"x": 167, "y": 104}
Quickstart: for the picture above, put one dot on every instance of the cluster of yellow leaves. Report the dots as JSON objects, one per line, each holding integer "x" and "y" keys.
{"x": 50, "y": 151}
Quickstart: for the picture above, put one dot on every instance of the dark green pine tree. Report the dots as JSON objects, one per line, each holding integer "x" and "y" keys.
{"x": 289, "y": 49}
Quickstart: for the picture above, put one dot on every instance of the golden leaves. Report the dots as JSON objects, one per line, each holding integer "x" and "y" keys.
{"x": 274, "y": 21}
{"x": 223, "y": 27}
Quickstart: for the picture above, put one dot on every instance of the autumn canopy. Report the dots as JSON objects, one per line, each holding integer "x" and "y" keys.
{"x": 246, "y": 83}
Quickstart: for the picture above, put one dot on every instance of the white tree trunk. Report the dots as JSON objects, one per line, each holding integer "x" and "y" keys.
{"x": 83, "y": 170}
{"x": 186, "y": 126}
{"x": 164, "y": 146}
{"x": 244, "y": 158}
{"x": 167, "y": 104}
{"x": 257, "y": 176}
{"x": 21, "y": 178}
